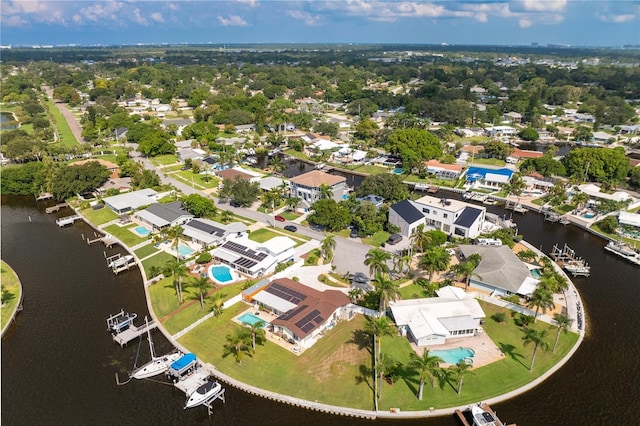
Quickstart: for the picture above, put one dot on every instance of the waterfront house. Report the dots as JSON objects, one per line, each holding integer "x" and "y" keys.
{"x": 207, "y": 232}
{"x": 303, "y": 313}
{"x": 124, "y": 203}
{"x": 433, "y": 320}
{"x": 239, "y": 173}
{"x": 307, "y": 186}
{"x": 442, "y": 170}
{"x": 483, "y": 178}
{"x": 252, "y": 258}
{"x": 500, "y": 271}
{"x": 453, "y": 217}
{"x": 161, "y": 216}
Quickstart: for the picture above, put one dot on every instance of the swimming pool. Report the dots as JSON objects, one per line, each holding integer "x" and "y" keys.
{"x": 535, "y": 273}
{"x": 398, "y": 171}
{"x": 221, "y": 274}
{"x": 185, "y": 251}
{"x": 141, "y": 230}
{"x": 453, "y": 356}
{"x": 250, "y": 319}
{"x": 589, "y": 215}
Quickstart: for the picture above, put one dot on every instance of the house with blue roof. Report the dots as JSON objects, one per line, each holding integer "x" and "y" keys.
{"x": 485, "y": 178}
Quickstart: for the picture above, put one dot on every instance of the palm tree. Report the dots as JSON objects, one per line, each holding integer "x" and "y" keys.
{"x": 376, "y": 259}
{"x": 257, "y": 333}
{"x": 464, "y": 270}
{"x": 327, "y": 246}
{"x": 541, "y": 299}
{"x": 293, "y": 203}
{"x": 427, "y": 366}
{"x": 515, "y": 186}
{"x": 387, "y": 289}
{"x": 563, "y": 322}
{"x": 218, "y": 304}
{"x": 175, "y": 235}
{"x": 420, "y": 238}
{"x": 226, "y": 216}
{"x": 325, "y": 191}
{"x": 276, "y": 164}
{"x": 202, "y": 285}
{"x": 377, "y": 328}
{"x": 435, "y": 259}
{"x": 179, "y": 270}
{"x": 537, "y": 338}
{"x": 386, "y": 364}
{"x": 460, "y": 370}
{"x": 355, "y": 294}
{"x": 238, "y": 344}
{"x": 579, "y": 199}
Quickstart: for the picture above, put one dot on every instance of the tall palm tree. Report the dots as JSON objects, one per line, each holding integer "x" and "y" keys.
{"x": 385, "y": 365}
{"x": 537, "y": 338}
{"x": 377, "y": 328}
{"x": 427, "y": 366}
{"x": 327, "y": 246}
{"x": 563, "y": 322}
{"x": 464, "y": 270}
{"x": 293, "y": 202}
{"x": 420, "y": 239}
{"x": 257, "y": 333}
{"x": 579, "y": 199}
{"x": 387, "y": 289}
{"x": 202, "y": 285}
{"x": 226, "y": 216}
{"x": 541, "y": 299}
{"x": 175, "y": 235}
{"x": 376, "y": 259}
{"x": 460, "y": 370}
{"x": 325, "y": 191}
{"x": 238, "y": 344}
{"x": 355, "y": 294}
{"x": 218, "y": 304}
{"x": 434, "y": 260}
{"x": 179, "y": 271}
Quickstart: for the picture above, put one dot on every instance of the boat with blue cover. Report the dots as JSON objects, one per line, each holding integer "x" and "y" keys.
{"x": 182, "y": 367}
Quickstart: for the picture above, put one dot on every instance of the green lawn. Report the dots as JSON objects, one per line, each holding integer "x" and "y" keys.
{"x": 145, "y": 251}
{"x": 290, "y": 215}
{"x": 377, "y": 239}
{"x": 125, "y": 234}
{"x": 64, "y": 131}
{"x": 11, "y": 292}
{"x": 186, "y": 176}
{"x": 413, "y": 291}
{"x": 369, "y": 169}
{"x": 160, "y": 260}
{"x": 296, "y": 154}
{"x": 487, "y": 161}
{"x": 338, "y": 358}
{"x": 262, "y": 235}
{"x": 163, "y": 160}
{"x": 98, "y": 217}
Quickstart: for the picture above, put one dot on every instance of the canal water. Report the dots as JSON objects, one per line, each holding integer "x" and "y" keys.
{"x": 7, "y": 121}
{"x": 58, "y": 361}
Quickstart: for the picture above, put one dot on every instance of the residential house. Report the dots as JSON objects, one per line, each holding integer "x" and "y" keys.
{"x": 453, "y": 217}
{"x": 537, "y": 184}
{"x": 521, "y": 154}
{"x": 307, "y": 186}
{"x": 594, "y": 192}
{"x": 272, "y": 182}
{"x": 239, "y": 173}
{"x": 303, "y": 313}
{"x": 442, "y": 170}
{"x": 480, "y": 177}
{"x": 124, "y": 203}
{"x": 467, "y": 132}
{"x": 245, "y": 128}
{"x": 602, "y": 137}
{"x": 162, "y": 216}
{"x": 373, "y": 199}
{"x": 500, "y": 271}
{"x": 180, "y": 123}
{"x": 500, "y": 131}
{"x": 513, "y": 117}
{"x": 208, "y": 233}
{"x": 252, "y": 258}
{"x": 431, "y": 321}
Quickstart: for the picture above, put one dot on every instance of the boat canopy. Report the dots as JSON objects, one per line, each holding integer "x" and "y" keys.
{"x": 184, "y": 361}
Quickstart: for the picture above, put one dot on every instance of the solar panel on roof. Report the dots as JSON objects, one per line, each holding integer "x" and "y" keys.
{"x": 292, "y": 313}
{"x": 205, "y": 227}
{"x": 286, "y": 293}
{"x": 307, "y": 318}
{"x": 307, "y": 327}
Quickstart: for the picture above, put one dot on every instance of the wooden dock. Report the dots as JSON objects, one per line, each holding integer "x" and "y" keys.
{"x": 55, "y": 208}
{"x": 44, "y": 196}
{"x": 69, "y": 220}
{"x": 132, "y": 333}
{"x": 516, "y": 207}
{"x": 566, "y": 258}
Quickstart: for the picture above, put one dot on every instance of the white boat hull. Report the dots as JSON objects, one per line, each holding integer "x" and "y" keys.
{"x": 156, "y": 366}
{"x": 203, "y": 394}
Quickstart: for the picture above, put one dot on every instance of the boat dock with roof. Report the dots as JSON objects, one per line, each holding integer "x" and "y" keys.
{"x": 69, "y": 220}
{"x": 195, "y": 381}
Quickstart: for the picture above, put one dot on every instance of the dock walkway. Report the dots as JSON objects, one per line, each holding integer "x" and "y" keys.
{"x": 133, "y": 332}
{"x": 69, "y": 220}
{"x": 55, "y": 208}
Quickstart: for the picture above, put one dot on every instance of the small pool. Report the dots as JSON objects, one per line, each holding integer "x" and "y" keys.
{"x": 589, "y": 215}
{"x": 249, "y": 319}
{"x": 398, "y": 171}
{"x": 453, "y": 356}
{"x": 535, "y": 273}
{"x": 221, "y": 274}
{"x": 184, "y": 250}
{"x": 141, "y": 230}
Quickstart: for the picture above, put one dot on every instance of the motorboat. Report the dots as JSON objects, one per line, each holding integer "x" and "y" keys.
{"x": 484, "y": 417}
{"x": 120, "y": 321}
{"x": 158, "y": 364}
{"x": 182, "y": 367}
{"x": 121, "y": 261}
{"x": 205, "y": 392}
{"x": 577, "y": 267}
{"x": 623, "y": 250}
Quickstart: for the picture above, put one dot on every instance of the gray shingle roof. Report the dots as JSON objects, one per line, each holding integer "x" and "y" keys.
{"x": 499, "y": 267}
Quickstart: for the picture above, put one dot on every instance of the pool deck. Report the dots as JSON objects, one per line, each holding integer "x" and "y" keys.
{"x": 485, "y": 351}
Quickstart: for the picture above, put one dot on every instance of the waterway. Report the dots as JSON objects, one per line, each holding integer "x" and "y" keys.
{"x": 58, "y": 361}
{"x": 5, "y": 119}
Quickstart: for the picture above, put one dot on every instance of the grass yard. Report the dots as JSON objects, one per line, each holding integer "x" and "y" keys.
{"x": 185, "y": 176}
{"x": 99, "y": 217}
{"x": 11, "y": 292}
{"x": 377, "y": 239}
{"x": 125, "y": 234}
{"x": 487, "y": 161}
{"x": 145, "y": 251}
{"x": 262, "y": 235}
{"x": 290, "y": 215}
{"x": 163, "y": 160}
{"x": 296, "y": 154}
{"x": 412, "y": 291}
{"x": 159, "y": 260}
{"x": 339, "y": 358}
{"x": 368, "y": 168}
{"x": 64, "y": 131}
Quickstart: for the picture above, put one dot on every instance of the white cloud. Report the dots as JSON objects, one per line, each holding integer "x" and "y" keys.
{"x": 617, "y": 19}
{"x": 250, "y": 3}
{"x": 21, "y": 13}
{"x": 157, "y": 17}
{"x": 308, "y": 18}
{"x": 232, "y": 21}
{"x": 524, "y": 23}
{"x": 544, "y": 5}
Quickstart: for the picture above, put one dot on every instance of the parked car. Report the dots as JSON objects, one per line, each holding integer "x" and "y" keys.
{"x": 279, "y": 218}
{"x": 234, "y": 203}
{"x": 354, "y": 233}
{"x": 290, "y": 228}
{"x": 394, "y": 239}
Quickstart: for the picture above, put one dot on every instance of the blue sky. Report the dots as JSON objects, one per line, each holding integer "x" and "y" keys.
{"x": 86, "y": 22}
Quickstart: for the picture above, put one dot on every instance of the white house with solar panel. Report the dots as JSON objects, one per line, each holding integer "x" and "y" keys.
{"x": 252, "y": 258}
{"x": 304, "y": 313}
{"x": 209, "y": 233}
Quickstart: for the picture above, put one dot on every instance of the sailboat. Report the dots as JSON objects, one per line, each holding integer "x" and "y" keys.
{"x": 157, "y": 365}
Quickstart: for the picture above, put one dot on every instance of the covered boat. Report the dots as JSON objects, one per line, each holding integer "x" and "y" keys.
{"x": 205, "y": 392}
